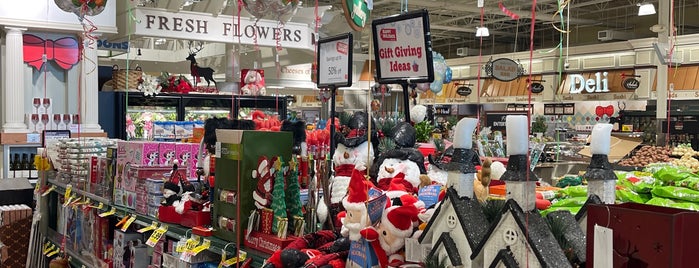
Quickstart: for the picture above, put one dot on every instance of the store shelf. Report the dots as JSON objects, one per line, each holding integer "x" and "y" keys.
{"x": 76, "y": 259}
{"x": 174, "y": 231}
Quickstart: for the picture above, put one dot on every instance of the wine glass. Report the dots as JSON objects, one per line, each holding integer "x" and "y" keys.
{"x": 66, "y": 120}
{"x": 76, "y": 119}
{"x": 56, "y": 120}
{"x": 45, "y": 120}
{"x": 35, "y": 120}
{"x": 47, "y": 103}
{"x": 36, "y": 102}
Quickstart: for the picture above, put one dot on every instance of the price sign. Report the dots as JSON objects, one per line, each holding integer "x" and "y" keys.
{"x": 108, "y": 213}
{"x": 156, "y": 236}
{"x": 334, "y": 66}
{"x": 128, "y": 223}
{"x": 403, "y": 49}
{"x": 148, "y": 228}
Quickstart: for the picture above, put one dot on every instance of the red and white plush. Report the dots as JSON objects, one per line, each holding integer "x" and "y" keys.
{"x": 391, "y": 167}
{"x": 263, "y": 122}
{"x": 388, "y": 239}
{"x": 263, "y": 193}
{"x": 356, "y": 216}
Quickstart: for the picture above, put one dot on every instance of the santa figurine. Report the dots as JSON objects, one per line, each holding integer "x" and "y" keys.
{"x": 388, "y": 239}
{"x": 352, "y": 148}
{"x": 355, "y": 217}
{"x": 263, "y": 193}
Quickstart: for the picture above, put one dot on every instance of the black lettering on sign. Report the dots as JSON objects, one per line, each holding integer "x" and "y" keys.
{"x": 150, "y": 19}
{"x": 189, "y": 25}
{"x": 177, "y": 24}
{"x": 163, "y": 23}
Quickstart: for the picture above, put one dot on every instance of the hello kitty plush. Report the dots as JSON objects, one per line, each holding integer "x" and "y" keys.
{"x": 153, "y": 159}
{"x": 170, "y": 158}
{"x": 254, "y": 84}
{"x": 184, "y": 158}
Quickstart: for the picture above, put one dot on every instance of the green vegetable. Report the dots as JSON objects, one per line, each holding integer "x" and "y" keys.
{"x": 573, "y": 210}
{"x": 671, "y": 174}
{"x": 691, "y": 182}
{"x": 626, "y": 196}
{"x": 676, "y": 193}
{"x": 571, "y": 202}
{"x": 664, "y": 202}
{"x": 569, "y": 181}
{"x": 573, "y": 191}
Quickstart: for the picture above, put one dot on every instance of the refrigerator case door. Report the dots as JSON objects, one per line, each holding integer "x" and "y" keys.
{"x": 201, "y": 107}
{"x": 270, "y": 105}
{"x": 130, "y": 115}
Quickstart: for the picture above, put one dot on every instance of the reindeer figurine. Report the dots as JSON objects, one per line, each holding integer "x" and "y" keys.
{"x": 197, "y": 71}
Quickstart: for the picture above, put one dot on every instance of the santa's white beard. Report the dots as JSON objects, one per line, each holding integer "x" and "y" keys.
{"x": 437, "y": 175}
{"x": 355, "y": 228}
{"x": 393, "y": 247}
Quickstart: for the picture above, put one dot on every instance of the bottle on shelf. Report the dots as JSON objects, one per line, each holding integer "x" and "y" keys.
{"x": 33, "y": 173}
{"x": 25, "y": 166}
{"x": 11, "y": 170}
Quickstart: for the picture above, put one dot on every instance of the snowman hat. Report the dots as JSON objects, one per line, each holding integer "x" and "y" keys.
{"x": 358, "y": 134}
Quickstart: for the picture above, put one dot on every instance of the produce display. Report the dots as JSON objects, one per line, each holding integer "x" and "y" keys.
{"x": 647, "y": 155}
{"x": 684, "y": 149}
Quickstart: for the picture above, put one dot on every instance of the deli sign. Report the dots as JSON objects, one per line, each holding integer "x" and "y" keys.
{"x": 596, "y": 84}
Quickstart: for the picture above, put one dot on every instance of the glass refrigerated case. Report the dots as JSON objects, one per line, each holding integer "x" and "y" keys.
{"x": 243, "y": 106}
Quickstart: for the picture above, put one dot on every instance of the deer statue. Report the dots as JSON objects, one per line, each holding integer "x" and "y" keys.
{"x": 197, "y": 71}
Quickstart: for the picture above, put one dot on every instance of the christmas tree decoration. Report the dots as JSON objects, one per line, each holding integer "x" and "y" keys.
{"x": 279, "y": 203}
{"x": 293, "y": 198}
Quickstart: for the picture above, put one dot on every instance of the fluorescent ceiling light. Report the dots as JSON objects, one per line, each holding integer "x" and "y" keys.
{"x": 646, "y": 9}
{"x": 482, "y": 32}
{"x": 160, "y": 41}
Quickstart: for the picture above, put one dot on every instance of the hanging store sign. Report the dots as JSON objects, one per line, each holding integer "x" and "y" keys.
{"x": 463, "y": 91}
{"x": 357, "y": 12}
{"x": 598, "y": 84}
{"x": 631, "y": 83}
{"x": 403, "y": 46}
{"x": 537, "y": 88}
{"x": 223, "y": 29}
{"x": 504, "y": 69}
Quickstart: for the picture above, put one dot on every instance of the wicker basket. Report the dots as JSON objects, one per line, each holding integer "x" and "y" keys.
{"x": 119, "y": 78}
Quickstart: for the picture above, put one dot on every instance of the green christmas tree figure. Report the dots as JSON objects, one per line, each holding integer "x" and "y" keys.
{"x": 279, "y": 203}
{"x": 293, "y": 194}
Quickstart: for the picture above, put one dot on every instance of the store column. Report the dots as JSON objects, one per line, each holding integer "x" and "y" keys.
{"x": 89, "y": 91}
{"x": 661, "y": 84}
{"x": 14, "y": 82}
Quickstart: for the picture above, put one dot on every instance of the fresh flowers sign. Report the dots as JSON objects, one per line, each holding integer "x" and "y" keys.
{"x": 403, "y": 48}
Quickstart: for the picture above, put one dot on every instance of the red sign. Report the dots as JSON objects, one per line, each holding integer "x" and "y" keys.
{"x": 342, "y": 47}
{"x": 388, "y": 34}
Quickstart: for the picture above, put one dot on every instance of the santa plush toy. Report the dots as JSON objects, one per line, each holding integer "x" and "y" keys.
{"x": 263, "y": 193}
{"x": 388, "y": 239}
{"x": 352, "y": 148}
{"x": 355, "y": 217}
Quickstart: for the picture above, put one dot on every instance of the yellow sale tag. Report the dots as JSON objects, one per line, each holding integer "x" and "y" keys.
{"x": 45, "y": 193}
{"x": 108, "y": 213}
{"x": 67, "y": 201}
{"x": 223, "y": 258}
{"x": 148, "y": 228}
{"x": 181, "y": 246}
{"x": 48, "y": 248}
{"x": 128, "y": 223}
{"x": 234, "y": 260}
{"x": 156, "y": 235}
{"x": 54, "y": 252}
{"x": 204, "y": 246}
{"x": 69, "y": 188}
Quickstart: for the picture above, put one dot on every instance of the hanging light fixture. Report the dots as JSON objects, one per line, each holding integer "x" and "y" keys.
{"x": 646, "y": 9}
{"x": 482, "y": 32}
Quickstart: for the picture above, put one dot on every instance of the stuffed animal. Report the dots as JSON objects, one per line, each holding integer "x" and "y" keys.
{"x": 356, "y": 216}
{"x": 389, "y": 164}
{"x": 482, "y": 181}
{"x": 388, "y": 239}
{"x": 254, "y": 84}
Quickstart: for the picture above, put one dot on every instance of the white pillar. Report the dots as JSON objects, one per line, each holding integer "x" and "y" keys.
{"x": 89, "y": 108}
{"x": 661, "y": 85}
{"x": 14, "y": 82}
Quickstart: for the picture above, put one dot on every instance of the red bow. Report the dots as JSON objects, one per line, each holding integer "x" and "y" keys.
{"x": 64, "y": 51}
{"x": 600, "y": 111}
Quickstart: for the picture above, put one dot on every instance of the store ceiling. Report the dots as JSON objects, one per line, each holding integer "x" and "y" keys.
{"x": 454, "y": 22}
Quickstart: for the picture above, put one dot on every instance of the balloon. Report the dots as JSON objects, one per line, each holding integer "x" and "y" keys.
{"x": 422, "y": 87}
{"x": 82, "y": 8}
{"x": 256, "y": 8}
{"x": 448, "y": 75}
{"x": 281, "y": 10}
{"x": 440, "y": 68}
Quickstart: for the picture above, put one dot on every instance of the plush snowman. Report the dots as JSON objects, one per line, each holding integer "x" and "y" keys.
{"x": 403, "y": 159}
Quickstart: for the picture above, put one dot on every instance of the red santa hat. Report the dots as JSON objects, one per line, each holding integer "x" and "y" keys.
{"x": 357, "y": 192}
{"x": 397, "y": 187}
{"x": 394, "y": 219}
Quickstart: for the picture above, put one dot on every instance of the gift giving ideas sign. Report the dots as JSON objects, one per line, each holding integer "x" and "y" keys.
{"x": 403, "y": 48}
{"x": 334, "y": 61}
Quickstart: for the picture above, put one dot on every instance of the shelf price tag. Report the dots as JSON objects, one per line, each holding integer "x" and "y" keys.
{"x": 204, "y": 246}
{"x": 128, "y": 223}
{"x": 108, "y": 213}
{"x": 156, "y": 235}
{"x": 48, "y": 247}
{"x": 67, "y": 201}
{"x": 69, "y": 188}
{"x": 229, "y": 262}
{"x": 100, "y": 206}
{"x": 54, "y": 252}
{"x": 181, "y": 246}
{"x": 190, "y": 245}
{"x": 49, "y": 190}
{"x": 153, "y": 226}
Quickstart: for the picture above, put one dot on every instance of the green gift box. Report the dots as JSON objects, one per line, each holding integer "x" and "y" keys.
{"x": 237, "y": 155}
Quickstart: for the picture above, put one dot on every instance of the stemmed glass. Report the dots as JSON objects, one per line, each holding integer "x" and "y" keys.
{"x": 56, "y": 120}
{"x": 66, "y": 120}
{"x": 47, "y": 103}
{"x": 45, "y": 120}
{"x": 76, "y": 119}
{"x": 35, "y": 120}
{"x": 36, "y": 102}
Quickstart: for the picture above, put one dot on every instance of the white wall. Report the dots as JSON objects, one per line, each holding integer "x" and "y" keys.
{"x": 45, "y": 14}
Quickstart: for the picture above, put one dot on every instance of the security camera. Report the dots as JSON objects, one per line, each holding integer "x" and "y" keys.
{"x": 566, "y": 65}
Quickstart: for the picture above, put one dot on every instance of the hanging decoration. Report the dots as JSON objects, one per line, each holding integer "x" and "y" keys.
{"x": 357, "y": 12}
{"x": 507, "y": 12}
{"x": 280, "y": 10}
{"x": 63, "y": 51}
{"x": 440, "y": 68}
{"x": 82, "y": 8}
{"x": 448, "y": 75}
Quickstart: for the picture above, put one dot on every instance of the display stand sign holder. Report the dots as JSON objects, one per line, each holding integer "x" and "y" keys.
{"x": 403, "y": 51}
{"x": 334, "y": 69}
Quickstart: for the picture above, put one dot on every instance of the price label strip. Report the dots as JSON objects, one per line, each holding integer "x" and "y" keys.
{"x": 229, "y": 262}
{"x": 54, "y": 252}
{"x": 191, "y": 244}
{"x": 153, "y": 226}
{"x": 128, "y": 223}
{"x": 107, "y": 213}
{"x": 69, "y": 188}
{"x": 49, "y": 190}
{"x": 187, "y": 256}
{"x": 156, "y": 235}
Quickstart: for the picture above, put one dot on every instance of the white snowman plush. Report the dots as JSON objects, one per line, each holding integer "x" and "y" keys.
{"x": 436, "y": 170}
{"x": 389, "y": 164}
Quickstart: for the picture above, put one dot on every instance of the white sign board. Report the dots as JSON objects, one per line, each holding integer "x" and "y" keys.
{"x": 298, "y": 72}
{"x": 403, "y": 48}
{"x": 43, "y": 14}
{"x": 335, "y": 61}
{"x": 223, "y": 29}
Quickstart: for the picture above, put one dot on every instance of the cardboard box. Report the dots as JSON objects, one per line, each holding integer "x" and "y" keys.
{"x": 167, "y": 154}
{"x": 620, "y": 147}
{"x": 185, "y": 156}
{"x": 238, "y": 152}
{"x": 121, "y": 245}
